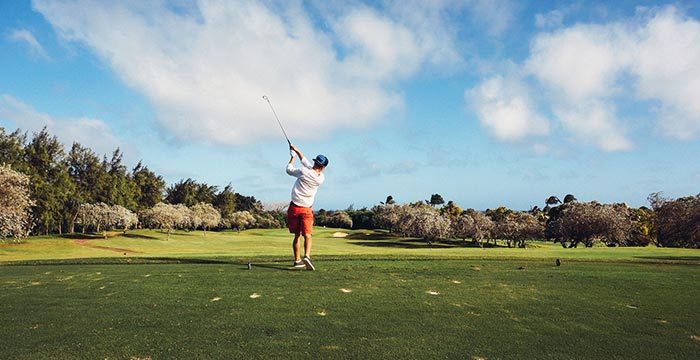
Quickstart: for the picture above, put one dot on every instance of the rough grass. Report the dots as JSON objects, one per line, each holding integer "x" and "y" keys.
{"x": 192, "y": 297}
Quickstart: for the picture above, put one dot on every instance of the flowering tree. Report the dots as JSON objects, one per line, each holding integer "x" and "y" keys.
{"x": 167, "y": 217}
{"x": 124, "y": 218}
{"x": 240, "y": 220}
{"x": 516, "y": 227}
{"x": 591, "y": 222}
{"x": 206, "y": 216}
{"x": 677, "y": 222}
{"x": 15, "y": 204}
{"x": 473, "y": 224}
{"x": 423, "y": 221}
{"x": 103, "y": 217}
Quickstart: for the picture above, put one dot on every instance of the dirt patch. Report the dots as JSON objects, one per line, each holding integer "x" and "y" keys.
{"x": 86, "y": 243}
{"x": 340, "y": 234}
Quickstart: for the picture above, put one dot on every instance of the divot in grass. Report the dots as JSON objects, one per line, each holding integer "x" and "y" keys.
{"x": 456, "y": 282}
{"x": 346, "y": 290}
{"x": 695, "y": 338}
{"x": 254, "y": 295}
{"x": 215, "y": 299}
{"x": 322, "y": 313}
{"x": 432, "y": 292}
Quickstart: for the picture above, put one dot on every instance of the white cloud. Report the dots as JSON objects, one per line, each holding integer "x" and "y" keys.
{"x": 651, "y": 60}
{"x": 504, "y": 108}
{"x": 593, "y": 122}
{"x": 25, "y": 36}
{"x": 205, "y": 69}
{"x": 667, "y": 69}
{"x": 92, "y": 133}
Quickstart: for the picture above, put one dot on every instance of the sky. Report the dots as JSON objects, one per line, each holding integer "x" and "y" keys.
{"x": 486, "y": 102}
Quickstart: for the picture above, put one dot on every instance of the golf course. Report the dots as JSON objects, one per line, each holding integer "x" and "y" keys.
{"x": 141, "y": 295}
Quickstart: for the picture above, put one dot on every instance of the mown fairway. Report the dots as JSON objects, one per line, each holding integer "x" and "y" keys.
{"x": 372, "y": 297}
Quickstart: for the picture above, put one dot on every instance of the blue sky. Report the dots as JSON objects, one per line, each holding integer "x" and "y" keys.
{"x": 487, "y": 103}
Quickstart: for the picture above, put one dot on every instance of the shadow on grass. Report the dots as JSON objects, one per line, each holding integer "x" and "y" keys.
{"x": 686, "y": 259}
{"x": 81, "y": 236}
{"x": 383, "y": 239}
{"x": 139, "y": 236}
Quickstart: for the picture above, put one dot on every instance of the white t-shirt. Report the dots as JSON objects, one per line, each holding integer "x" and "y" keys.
{"x": 308, "y": 181}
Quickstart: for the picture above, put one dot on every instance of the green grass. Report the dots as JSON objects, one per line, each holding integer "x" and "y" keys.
{"x": 190, "y": 297}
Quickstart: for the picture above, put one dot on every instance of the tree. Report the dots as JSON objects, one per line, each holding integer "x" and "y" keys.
{"x": 149, "y": 186}
{"x": 88, "y": 174}
{"x": 50, "y": 184}
{"x": 569, "y": 198}
{"x": 15, "y": 204}
{"x": 248, "y": 203}
{"x": 552, "y": 200}
{"x": 124, "y": 218}
{"x": 389, "y": 200}
{"x": 103, "y": 217}
{"x": 167, "y": 217}
{"x": 206, "y": 216}
{"x": 189, "y": 192}
{"x": 591, "y": 222}
{"x": 451, "y": 210}
{"x": 225, "y": 202}
{"x": 436, "y": 199}
{"x": 119, "y": 187}
{"x": 677, "y": 221}
{"x": 12, "y": 149}
{"x": 516, "y": 227}
{"x": 424, "y": 222}
{"x": 338, "y": 219}
{"x": 473, "y": 224}
{"x": 240, "y": 220}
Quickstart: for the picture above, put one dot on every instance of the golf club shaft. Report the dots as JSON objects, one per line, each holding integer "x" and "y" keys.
{"x": 278, "y": 119}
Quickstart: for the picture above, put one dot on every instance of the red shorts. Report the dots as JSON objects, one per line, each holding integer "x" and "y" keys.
{"x": 300, "y": 220}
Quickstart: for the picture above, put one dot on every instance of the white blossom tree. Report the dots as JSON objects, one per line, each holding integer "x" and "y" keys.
{"x": 241, "y": 220}
{"x": 206, "y": 216}
{"x": 167, "y": 217}
{"x": 15, "y": 204}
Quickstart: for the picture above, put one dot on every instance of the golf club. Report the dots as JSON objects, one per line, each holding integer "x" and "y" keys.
{"x": 278, "y": 119}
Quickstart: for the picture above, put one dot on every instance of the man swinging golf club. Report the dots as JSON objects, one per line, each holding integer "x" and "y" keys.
{"x": 300, "y": 215}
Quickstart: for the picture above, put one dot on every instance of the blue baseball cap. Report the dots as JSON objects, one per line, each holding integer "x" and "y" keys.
{"x": 321, "y": 160}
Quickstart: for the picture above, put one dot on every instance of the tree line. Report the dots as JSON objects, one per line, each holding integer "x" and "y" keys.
{"x": 59, "y": 184}
{"x": 571, "y": 223}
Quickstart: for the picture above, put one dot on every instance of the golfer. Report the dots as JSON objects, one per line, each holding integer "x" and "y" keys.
{"x": 300, "y": 215}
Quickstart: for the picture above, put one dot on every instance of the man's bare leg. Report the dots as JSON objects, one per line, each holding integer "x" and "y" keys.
{"x": 296, "y": 246}
{"x": 307, "y": 245}
{"x": 307, "y": 252}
